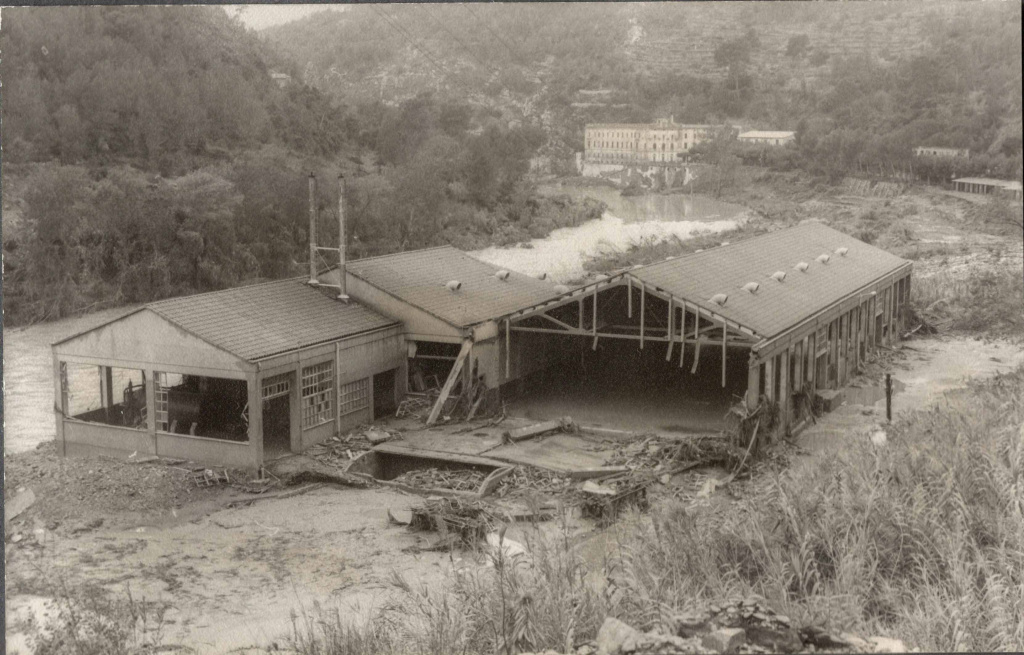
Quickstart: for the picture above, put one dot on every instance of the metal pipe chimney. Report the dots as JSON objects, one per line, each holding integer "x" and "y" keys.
{"x": 342, "y": 259}
{"x": 312, "y": 230}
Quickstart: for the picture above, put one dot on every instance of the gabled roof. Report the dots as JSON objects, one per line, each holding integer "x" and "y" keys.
{"x": 988, "y": 181}
{"x": 419, "y": 277}
{"x": 260, "y": 320}
{"x": 775, "y": 306}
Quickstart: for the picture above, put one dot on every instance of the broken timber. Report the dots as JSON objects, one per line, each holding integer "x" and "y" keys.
{"x": 522, "y": 434}
{"x": 450, "y": 382}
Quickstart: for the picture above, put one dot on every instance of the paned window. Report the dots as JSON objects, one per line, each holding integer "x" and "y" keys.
{"x": 317, "y": 390}
{"x": 354, "y": 396}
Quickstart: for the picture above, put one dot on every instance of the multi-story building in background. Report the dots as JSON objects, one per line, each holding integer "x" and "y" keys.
{"x": 663, "y": 141}
{"x": 944, "y": 153}
{"x": 767, "y": 138}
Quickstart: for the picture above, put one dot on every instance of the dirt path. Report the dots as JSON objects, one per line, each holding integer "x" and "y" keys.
{"x": 925, "y": 368}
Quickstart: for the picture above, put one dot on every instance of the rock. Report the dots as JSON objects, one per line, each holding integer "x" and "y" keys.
{"x": 16, "y": 538}
{"x": 887, "y": 645}
{"x": 688, "y": 625}
{"x": 399, "y": 516}
{"x": 783, "y": 619}
{"x": 784, "y": 640}
{"x": 376, "y": 436}
{"x": 854, "y": 642}
{"x": 725, "y": 640}
{"x": 815, "y": 636}
{"x": 17, "y": 505}
{"x": 613, "y": 635}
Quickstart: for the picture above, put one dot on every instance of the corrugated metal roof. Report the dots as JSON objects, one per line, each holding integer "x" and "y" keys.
{"x": 418, "y": 278}
{"x": 260, "y": 320}
{"x": 775, "y": 306}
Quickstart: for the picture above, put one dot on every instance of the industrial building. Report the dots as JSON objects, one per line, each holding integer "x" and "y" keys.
{"x": 180, "y": 378}
{"x": 941, "y": 153}
{"x": 663, "y": 141}
{"x": 771, "y": 317}
{"x": 766, "y": 138}
{"x": 987, "y": 185}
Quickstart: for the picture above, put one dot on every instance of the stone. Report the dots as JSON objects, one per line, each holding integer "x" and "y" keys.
{"x": 819, "y": 638}
{"x": 887, "y": 645}
{"x": 776, "y": 640}
{"x": 613, "y": 635}
{"x": 783, "y": 619}
{"x": 377, "y": 436}
{"x": 688, "y": 625}
{"x": 854, "y": 642}
{"x": 725, "y": 640}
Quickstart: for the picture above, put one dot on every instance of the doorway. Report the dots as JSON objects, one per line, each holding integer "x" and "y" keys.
{"x": 277, "y": 433}
{"x": 384, "y": 401}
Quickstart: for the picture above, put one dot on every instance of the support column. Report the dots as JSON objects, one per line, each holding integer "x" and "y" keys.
{"x": 643, "y": 298}
{"x": 753, "y": 382}
{"x": 150, "y": 382}
{"x": 106, "y": 387}
{"x": 58, "y": 406}
{"x": 769, "y": 378}
{"x": 784, "y": 402}
{"x": 252, "y": 382}
{"x": 812, "y": 373}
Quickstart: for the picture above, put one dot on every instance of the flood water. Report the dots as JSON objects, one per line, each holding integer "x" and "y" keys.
{"x": 28, "y": 378}
{"x": 629, "y": 221}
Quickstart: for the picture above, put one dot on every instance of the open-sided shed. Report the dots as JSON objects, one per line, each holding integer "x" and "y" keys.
{"x": 181, "y": 377}
{"x": 793, "y": 309}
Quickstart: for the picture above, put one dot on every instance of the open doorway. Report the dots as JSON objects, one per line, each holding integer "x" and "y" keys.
{"x": 384, "y": 400}
{"x": 276, "y": 395}
{"x": 620, "y": 386}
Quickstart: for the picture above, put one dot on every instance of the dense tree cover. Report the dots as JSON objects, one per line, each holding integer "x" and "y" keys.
{"x": 158, "y": 86}
{"x": 942, "y": 73}
{"x": 148, "y": 153}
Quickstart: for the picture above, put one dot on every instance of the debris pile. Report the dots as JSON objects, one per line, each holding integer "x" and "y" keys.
{"x": 529, "y": 480}
{"x": 465, "y": 520}
{"x": 416, "y": 406}
{"x": 436, "y": 478}
{"x": 649, "y": 453}
{"x": 339, "y": 451}
{"x": 738, "y": 626}
{"x": 604, "y": 499}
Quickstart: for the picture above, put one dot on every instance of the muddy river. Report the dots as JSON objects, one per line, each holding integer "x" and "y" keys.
{"x": 629, "y": 220}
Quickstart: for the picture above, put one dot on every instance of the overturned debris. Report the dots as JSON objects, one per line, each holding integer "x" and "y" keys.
{"x": 469, "y": 521}
{"x": 605, "y": 499}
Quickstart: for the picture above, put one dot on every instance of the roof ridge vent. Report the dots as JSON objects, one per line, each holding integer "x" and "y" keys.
{"x": 779, "y": 276}
{"x": 751, "y": 287}
{"x": 502, "y": 274}
{"x": 802, "y": 267}
{"x": 719, "y": 299}
{"x": 453, "y": 285}
{"x": 842, "y": 251}
{"x": 823, "y": 258}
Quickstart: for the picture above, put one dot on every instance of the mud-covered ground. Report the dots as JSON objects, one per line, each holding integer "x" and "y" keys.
{"x": 231, "y": 577}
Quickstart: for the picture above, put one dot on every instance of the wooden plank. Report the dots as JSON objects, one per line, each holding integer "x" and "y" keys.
{"x": 671, "y": 335}
{"x": 643, "y": 294}
{"x": 521, "y": 434}
{"x": 629, "y": 297}
{"x": 696, "y": 337}
{"x": 450, "y": 382}
{"x": 508, "y": 348}
{"x": 753, "y": 383}
{"x": 682, "y": 334}
{"x": 725, "y": 335}
{"x": 556, "y": 321}
{"x": 594, "y": 347}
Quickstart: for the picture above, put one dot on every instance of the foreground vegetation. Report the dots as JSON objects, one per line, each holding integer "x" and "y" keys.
{"x": 922, "y": 539}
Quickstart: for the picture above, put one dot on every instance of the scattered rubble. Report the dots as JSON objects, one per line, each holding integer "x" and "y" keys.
{"x": 737, "y": 626}
{"x": 565, "y": 424}
{"x": 529, "y": 481}
{"x": 468, "y": 521}
{"x": 604, "y": 499}
{"x": 437, "y": 478}
{"x": 340, "y": 451}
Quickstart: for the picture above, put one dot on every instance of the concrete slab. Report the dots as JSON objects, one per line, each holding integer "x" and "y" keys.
{"x": 446, "y": 442}
{"x": 559, "y": 452}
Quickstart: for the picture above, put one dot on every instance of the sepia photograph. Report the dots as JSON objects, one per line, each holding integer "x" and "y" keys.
{"x": 519, "y": 328}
